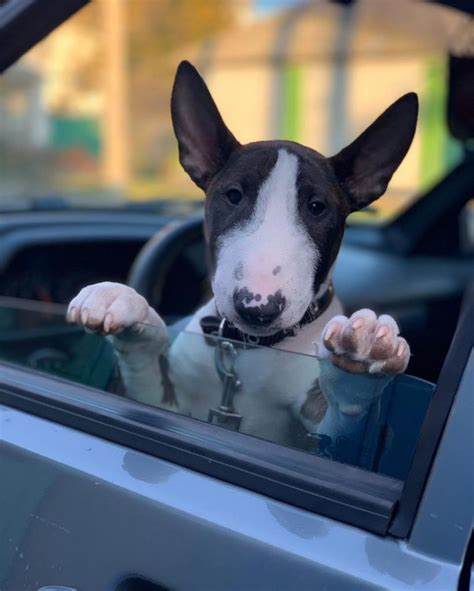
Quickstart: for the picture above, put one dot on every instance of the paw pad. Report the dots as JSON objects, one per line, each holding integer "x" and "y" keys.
{"x": 364, "y": 343}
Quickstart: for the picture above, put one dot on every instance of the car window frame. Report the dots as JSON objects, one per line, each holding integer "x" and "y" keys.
{"x": 364, "y": 499}
{"x": 24, "y": 23}
{"x": 433, "y": 426}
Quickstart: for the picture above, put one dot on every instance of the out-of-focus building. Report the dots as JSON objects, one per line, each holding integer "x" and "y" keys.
{"x": 25, "y": 133}
{"x": 92, "y": 101}
{"x": 24, "y": 120}
{"x": 320, "y": 73}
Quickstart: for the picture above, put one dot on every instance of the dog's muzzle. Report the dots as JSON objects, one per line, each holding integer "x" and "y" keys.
{"x": 220, "y": 327}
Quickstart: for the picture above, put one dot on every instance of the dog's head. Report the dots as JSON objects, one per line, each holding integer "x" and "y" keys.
{"x": 275, "y": 210}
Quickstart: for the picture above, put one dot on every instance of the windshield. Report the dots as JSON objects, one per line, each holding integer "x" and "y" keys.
{"x": 264, "y": 392}
{"x": 84, "y": 116}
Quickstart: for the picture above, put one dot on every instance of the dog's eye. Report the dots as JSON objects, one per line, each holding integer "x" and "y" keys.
{"x": 316, "y": 207}
{"x": 234, "y": 196}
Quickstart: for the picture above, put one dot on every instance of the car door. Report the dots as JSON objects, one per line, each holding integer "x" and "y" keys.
{"x": 100, "y": 492}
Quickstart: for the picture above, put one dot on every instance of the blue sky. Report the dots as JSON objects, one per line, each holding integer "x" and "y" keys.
{"x": 264, "y": 7}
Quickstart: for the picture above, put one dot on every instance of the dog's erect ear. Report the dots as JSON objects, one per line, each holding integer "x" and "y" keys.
{"x": 366, "y": 166}
{"x": 204, "y": 141}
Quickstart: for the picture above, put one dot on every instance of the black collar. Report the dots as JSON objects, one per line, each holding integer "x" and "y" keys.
{"x": 217, "y": 326}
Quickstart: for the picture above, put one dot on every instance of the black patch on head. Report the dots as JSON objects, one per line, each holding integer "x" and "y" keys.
{"x": 276, "y": 270}
{"x": 317, "y": 182}
{"x": 248, "y": 168}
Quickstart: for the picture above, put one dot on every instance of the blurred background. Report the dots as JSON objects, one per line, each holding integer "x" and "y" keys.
{"x": 84, "y": 116}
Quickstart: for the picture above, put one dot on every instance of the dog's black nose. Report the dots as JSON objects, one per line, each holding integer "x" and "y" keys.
{"x": 246, "y": 304}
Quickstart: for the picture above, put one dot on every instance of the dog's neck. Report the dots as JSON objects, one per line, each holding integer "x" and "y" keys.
{"x": 218, "y": 326}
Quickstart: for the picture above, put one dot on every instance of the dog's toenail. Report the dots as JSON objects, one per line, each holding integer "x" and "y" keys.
{"x": 401, "y": 350}
{"x": 358, "y": 324}
{"x": 331, "y": 331}
{"x": 382, "y": 332}
{"x": 84, "y": 315}
{"x": 107, "y": 322}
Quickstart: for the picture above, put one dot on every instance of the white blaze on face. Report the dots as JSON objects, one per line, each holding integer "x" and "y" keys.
{"x": 270, "y": 252}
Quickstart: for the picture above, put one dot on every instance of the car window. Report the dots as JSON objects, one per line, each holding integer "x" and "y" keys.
{"x": 264, "y": 392}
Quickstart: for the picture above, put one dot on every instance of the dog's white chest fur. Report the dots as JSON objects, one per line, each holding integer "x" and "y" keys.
{"x": 274, "y": 383}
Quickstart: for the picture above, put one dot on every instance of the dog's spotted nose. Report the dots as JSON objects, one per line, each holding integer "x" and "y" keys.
{"x": 247, "y": 306}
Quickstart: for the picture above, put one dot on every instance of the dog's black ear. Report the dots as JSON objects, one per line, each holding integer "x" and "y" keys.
{"x": 366, "y": 166}
{"x": 204, "y": 141}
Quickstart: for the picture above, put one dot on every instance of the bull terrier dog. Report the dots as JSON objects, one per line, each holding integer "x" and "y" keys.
{"x": 275, "y": 214}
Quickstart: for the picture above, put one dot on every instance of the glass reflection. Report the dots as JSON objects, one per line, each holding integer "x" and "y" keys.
{"x": 260, "y": 391}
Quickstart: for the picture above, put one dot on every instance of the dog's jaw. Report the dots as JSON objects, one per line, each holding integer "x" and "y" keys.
{"x": 269, "y": 257}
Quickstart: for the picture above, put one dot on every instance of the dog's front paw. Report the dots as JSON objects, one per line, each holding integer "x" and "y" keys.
{"x": 108, "y": 308}
{"x": 364, "y": 343}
